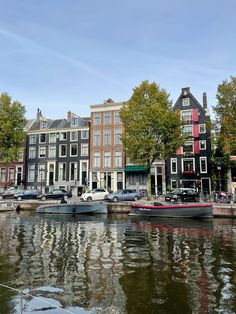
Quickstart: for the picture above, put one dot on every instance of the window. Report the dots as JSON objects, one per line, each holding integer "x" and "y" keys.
{"x": 188, "y": 148}
{"x": 84, "y": 149}
{"x": 173, "y": 184}
{"x": 185, "y": 101}
{"x": 84, "y": 179}
{"x": 96, "y": 118}
{"x": 74, "y": 121}
{"x": 107, "y": 160}
{"x": 43, "y": 124}
{"x": 202, "y": 128}
{"x": 188, "y": 130}
{"x": 52, "y": 151}
{"x": 118, "y": 159}
{"x": 203, "y": 164}
{"x": 3, "y": 174}
{"x": 107, "y": 118}
{"x": 117, "y": 136}
{"x": 42, "y": 138}
{"x": 63, "y": 136}
{"x": 142, "y": 179}
{"x": 32, "y": 152}
{"x": 32, "y": 139}
{"x": 31, "y": 173}
{"x": 187, "y": 116}
{"x": 173, "y": 164}
{"x": 73, "y": 171}
{"x": 96, "y": 138}
{"x": 74, "y": 136}
{"x": 62, "y": 171}
{"x": 188, "y": 165}
{"x": 117, "y": 117}
{"x": 41, "y": 173}
{"x": 73, "y": 149}
{"x": 96, "y": 160}
{"x": 202, "y": 145}
{"x": 52, "y": 137}
{"x": 42, "y": 151}
{"x": 119, "y": 176}
{"x": 62, "y": 151}
{"x": 84, "y": 134}
{"x": 132, "y": 179}
{"x": 107, "y": 137}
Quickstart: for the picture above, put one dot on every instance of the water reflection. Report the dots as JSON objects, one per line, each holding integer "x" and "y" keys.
{"x": 117, "y": 264}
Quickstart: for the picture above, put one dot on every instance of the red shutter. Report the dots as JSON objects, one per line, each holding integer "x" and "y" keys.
{"x": 196, "y": 147}
{"x": 195, "y": 115}
{"x": 195, "y": 130}
{"x": 179, "y": 151}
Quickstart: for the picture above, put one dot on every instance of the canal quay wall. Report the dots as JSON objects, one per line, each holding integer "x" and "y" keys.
{"x": 219, "y": 210}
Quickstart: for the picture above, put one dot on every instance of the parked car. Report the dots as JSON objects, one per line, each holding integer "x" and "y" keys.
{"x": 124, "y": 195}
{"x": 9, "y": 193}
{"x": 57, "y": 194}
{"x": 182, "y": 195}
{"x": 94, "y": 195}
{"x": 27, "y": 195}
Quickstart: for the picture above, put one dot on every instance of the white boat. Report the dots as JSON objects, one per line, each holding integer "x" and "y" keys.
{"x": 178, "y": 211}
{"x": 74, "y": 208}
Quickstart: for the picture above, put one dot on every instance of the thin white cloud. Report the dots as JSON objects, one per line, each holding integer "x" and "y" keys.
{"x": 28, "y": 43}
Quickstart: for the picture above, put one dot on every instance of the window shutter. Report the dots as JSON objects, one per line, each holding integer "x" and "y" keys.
{"x": 196, "y": 147}
{"x": 195, "y": 115}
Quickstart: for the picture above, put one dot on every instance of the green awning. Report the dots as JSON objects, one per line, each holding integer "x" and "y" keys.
{"x": 135, "y": 169}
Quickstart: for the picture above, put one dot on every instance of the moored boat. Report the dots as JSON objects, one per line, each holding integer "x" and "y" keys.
{"x": 178, "y": 211}
{"x": 74, "y": 208}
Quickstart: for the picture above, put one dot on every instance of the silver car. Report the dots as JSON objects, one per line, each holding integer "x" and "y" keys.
{"x": 124, "y": 195}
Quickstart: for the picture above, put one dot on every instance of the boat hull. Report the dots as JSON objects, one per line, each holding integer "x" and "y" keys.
{"x": 176, "y": 211}
{"x": 77, "y": 208}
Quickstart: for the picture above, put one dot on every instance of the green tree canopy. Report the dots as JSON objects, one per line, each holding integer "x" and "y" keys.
{"x": 152, "y": 130}
{"x": 12, "y": 123}
{"x": 226, "y": 116}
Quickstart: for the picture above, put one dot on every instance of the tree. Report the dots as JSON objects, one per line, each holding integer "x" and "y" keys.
{"x": 152, "y": 130}
{"x": 12, "y": 123}
{"x": 226, "y": 116}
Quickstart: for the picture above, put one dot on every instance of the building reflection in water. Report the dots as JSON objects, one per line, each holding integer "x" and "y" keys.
{"x": 135, "y": 266}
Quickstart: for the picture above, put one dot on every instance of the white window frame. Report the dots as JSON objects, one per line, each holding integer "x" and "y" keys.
{"x": 72, "y": 133}
{"x": 32, "y": 152}
{"x": 74, "y": 121}
{"x": 52, "y": 137}
{"x": 84, "y": 149}
{"x": 62, "y": 137}
{"x": 171, "y": 183}
{"x": 96, "y": 118}
{"x": 41, "y": 173}
{"x": 204, "y": 127}
{"x": 32, "y": 139}
{"x": 187, "y": 126}
{"x": 187, "y": 118}
{"x": 73, "y": 145}
{"x": 107, "y": 137}
{"x": 31, "y": 173}
{"x": 117, "y": 136}
{"x": 185, "y": 101}
{"x": 40, "y": 139}
{"x": 84, "y": 134}
{"x": 75, "y": 171}
{"x": 96, "y": 138}
{"x": 187, "y": 158}
{"x": 188, "y": 143}
{"x": 42, "y": 148}
{"x": 205, "y": 159}
{"x": 117, "y": 117}
{"x": 107, "y": 159}
{"x": 204, "y": 144}
{"x": 52, "y": 148}
{"x": 96, "y": 159}
{"x": 118, "y": 159}
{"x": 60, "y": 148}
{"x": 173, "y": 160}
{"x": 62, "y": 171}
{"x": 107, "y": 118}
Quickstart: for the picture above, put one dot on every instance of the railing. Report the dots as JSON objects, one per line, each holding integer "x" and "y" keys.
{"x": 22, "y": 294}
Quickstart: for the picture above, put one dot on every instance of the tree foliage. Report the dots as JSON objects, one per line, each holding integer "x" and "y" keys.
{"x": 12, "y": 123}
{"x": 152, "y": 130}
{"x": 226, "y": 116}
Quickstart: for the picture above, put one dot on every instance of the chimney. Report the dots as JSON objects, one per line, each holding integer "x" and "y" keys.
{"x": 204, "y": 100}
{"x": 69, "y": 115}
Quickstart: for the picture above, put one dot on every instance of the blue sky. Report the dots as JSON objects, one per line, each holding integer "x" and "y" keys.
{"x": 60, "y": 55}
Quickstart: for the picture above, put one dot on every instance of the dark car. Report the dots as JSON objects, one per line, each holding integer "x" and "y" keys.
{"x": 9, "y": 193}
{"x": 124, "y": 195}
{"x": 183, "y": 195}
{"x": 27, "y": 195}
{"x": 57, "y": 194}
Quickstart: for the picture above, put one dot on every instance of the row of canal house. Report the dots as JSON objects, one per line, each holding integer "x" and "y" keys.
{"x": 79, "y": 153}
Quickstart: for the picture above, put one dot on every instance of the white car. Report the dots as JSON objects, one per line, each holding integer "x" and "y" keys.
{"x": 94, "y": 195}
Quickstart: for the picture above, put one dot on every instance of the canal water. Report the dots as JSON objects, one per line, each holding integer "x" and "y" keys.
{"x": 116, "y": 264}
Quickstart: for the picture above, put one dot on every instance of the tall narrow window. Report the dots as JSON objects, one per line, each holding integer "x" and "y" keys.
{"x": 203, "y": 164}
{"x": 118, "y": 159}
{"x": 74, "y": 135}
{"x": 96, "y": 138}
{"x": 32, "y": 152}
{"x": 84, "y": 149}
{"x": 62, "y": 150}
{"x": 31, "y": 173}
{"x": 107, "y": 118}
{"x": 52, "y": 151}
{"x": 73, "y": 149}
{"x": 96, "y": 118}
{"x": 42, "y": 151}
{"x": 173, "y": 162}
{"x": 73, "y": 171}
{"x": 117, "y": 117}
{"x": 107, "y": 160}
{"x": 96, "y": 160}
{"x": 3, "y": 174}
{"x": 107, "y": 137}
{"x": 52, "y": 137}
{"x": 62, "y": 171}
{"x": 117, "y": 136}
{"x": 42, "y": 138}
{"x": 32, "y": 139}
